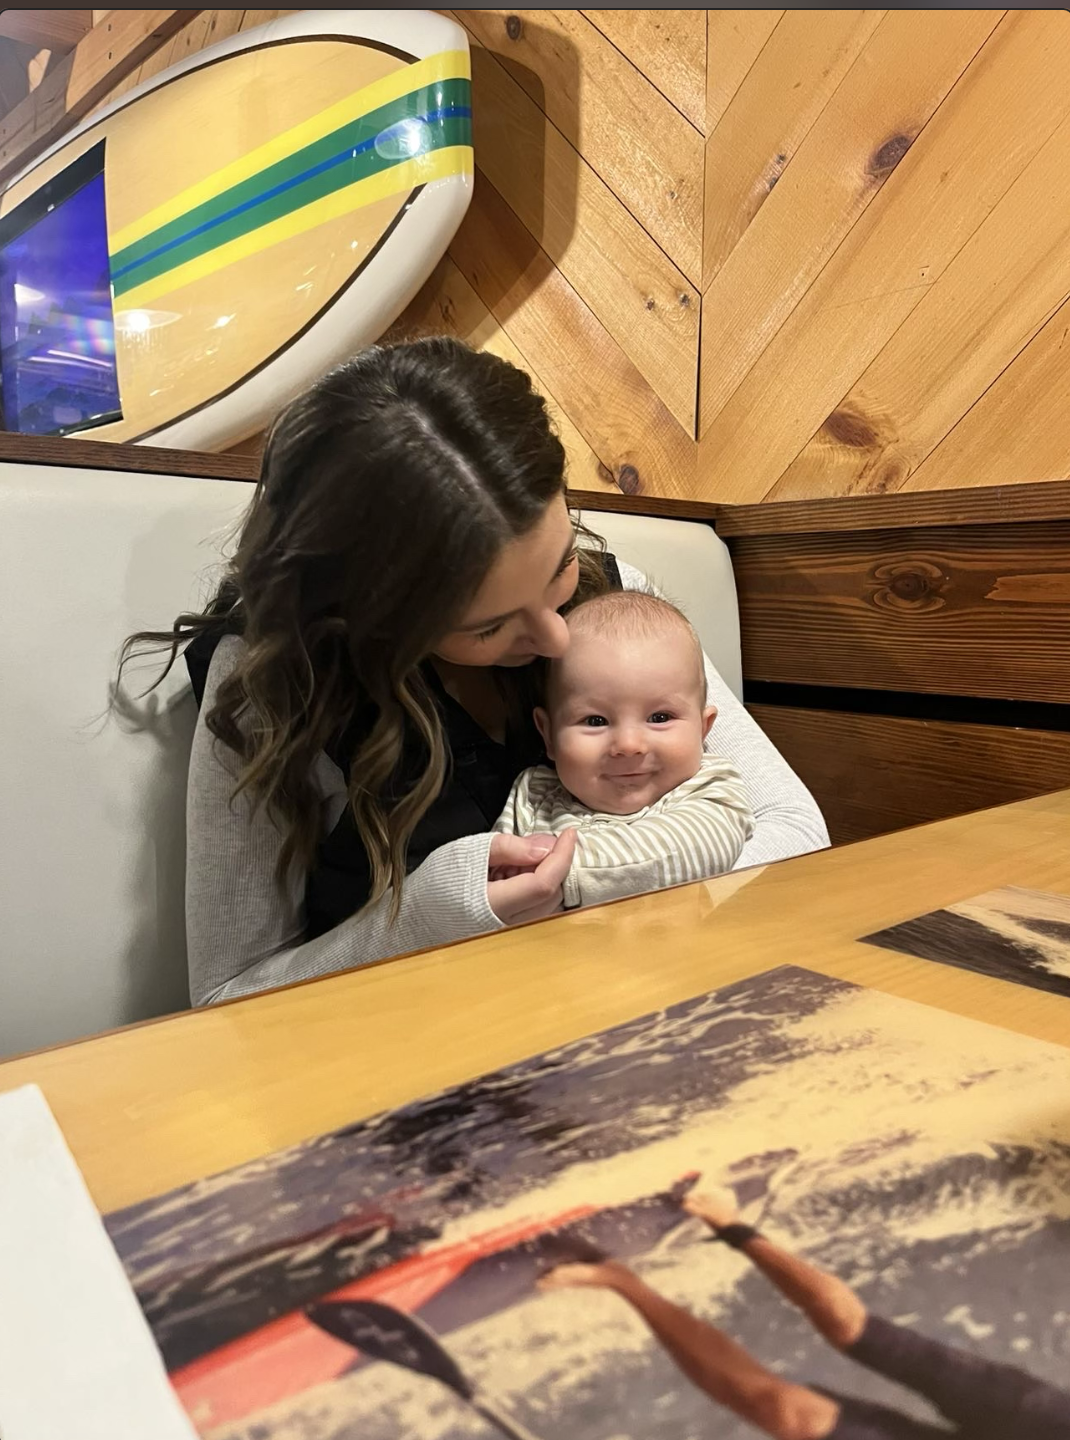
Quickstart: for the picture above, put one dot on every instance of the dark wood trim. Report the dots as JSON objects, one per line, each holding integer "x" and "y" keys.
{"x": 967, "y": 610}
{"x": 871, "y": 774}
{"x": 156, "y": 460}
{"x": 701, "y": 510}
{"x": 983, "y": 505}
{"x": 138, "y": 459}
{"x": 910, "y": 705}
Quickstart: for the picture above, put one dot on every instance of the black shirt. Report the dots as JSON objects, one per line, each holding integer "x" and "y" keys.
{"x": 480, "y": 775}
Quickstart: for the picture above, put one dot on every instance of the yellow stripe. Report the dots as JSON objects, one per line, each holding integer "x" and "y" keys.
{"x": 421, "y": 170}
{"x": 447, "y": 65}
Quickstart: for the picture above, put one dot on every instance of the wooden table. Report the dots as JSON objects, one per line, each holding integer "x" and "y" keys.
{"x": 159, "y": 1104}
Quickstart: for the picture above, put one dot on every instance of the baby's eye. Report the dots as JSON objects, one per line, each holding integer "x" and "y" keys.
{"x": 660, "y": 717}
{"x": 593, "y": 722}
{"x": 490, "y": 632}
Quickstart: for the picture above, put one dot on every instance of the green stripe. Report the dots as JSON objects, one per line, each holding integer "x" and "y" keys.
{"x": 451, "y": 131}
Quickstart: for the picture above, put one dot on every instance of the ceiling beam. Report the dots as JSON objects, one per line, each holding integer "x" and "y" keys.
{"x": 58, "y": 30}
{"x": 82, "y": 79}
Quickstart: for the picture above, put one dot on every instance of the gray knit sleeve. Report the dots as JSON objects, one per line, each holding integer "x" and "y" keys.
{"x": 245, "y": 933}
{"x": 787, "y": 820}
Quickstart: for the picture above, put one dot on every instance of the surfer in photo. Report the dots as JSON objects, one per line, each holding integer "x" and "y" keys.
{"x": 981, "y": 1399}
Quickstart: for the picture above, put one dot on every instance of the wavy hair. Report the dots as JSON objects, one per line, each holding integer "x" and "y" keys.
{"x": 386, "y": 493}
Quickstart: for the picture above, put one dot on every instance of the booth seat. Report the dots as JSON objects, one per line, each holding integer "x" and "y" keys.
{"x": 91, "y": 886}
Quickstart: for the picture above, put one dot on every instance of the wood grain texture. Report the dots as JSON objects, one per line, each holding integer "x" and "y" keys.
{"x": 788, "y": 86}
{"x": 109, "y": 52}
{"x": 996, "y": 294}
{"x": 981, "y": 610}
{"x": 447, "y": 305}
{"x": 872, "y": 774}
{"x": 139, "y": 459}
{"x": 56, "y": 30}
{"x": 604, "y": 253}
{"x": 1018, "y": 430}
{"x": 734, "y": 40}
{"x": 659, "y": 506}
{"x": 619, "y": 415}
{"x": 978, "y": 505}
{"x": 630, "y": 135}
{"x": 996, "y": 119}
{"x": 165, "y": 1104}
{"x": 209, "y": 27}
{"x": 668, "y": 47}
{"x": 888, "y": 314}
{"x": 796, "y": 246}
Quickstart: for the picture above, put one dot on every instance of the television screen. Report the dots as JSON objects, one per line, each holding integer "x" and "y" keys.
{"x": 57, "y": 334}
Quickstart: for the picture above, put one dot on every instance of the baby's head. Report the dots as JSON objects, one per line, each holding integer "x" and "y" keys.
{"x": 626, "y": 710}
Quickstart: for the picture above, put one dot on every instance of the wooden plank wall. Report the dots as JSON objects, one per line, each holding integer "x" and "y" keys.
{"x": 786, "y": 256}
{"x": 880, "y": 294}
{"x": 767, "y": 255}
{"x": 910, "y": 671}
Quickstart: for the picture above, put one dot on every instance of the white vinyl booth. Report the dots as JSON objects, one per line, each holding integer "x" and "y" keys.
{"x": 93, "y": 842}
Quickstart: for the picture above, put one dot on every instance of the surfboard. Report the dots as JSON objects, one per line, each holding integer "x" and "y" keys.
{"x": 244, "y": 221}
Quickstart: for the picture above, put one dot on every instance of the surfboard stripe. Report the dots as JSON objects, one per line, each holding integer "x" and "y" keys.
{"x": 425, "y": 74}
{"x": 451, "y": 135}
{"x": 423, "y": 120}
{"x": 407, "y": 175}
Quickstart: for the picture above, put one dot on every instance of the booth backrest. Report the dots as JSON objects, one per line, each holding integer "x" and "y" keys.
{"x": 691, "y": 566}
{"x": 92, "y": 808}
{"x": 91, "y": 889}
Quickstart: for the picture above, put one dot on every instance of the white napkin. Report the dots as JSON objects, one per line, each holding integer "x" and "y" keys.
{"x": 77, "y": 1359}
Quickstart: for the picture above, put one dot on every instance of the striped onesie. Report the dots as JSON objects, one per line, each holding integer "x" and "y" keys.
{"x": 694, "y": 832}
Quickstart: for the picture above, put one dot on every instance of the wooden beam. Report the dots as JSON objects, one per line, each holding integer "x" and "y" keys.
{"x": 109, "y": 52}
{"x": 135, "y": 459}
{"x": 968, "y": 610}
{"x": 49, "y": 29}
{"x": 14, "y": 73}
{"x": 977, "y": 505}
{"x": 875, "y": 773}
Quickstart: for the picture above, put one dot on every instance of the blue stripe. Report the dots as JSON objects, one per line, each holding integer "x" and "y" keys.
{"x": 448, "y": 112}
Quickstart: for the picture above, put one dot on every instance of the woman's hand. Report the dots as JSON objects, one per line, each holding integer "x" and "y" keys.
{"x": 526, "y": 875}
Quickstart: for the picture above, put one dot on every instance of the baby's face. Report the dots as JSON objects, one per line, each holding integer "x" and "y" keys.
{"x": 626, "y": 718}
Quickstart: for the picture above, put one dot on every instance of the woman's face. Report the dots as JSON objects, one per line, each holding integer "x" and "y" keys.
{"x": 513, "y": 617}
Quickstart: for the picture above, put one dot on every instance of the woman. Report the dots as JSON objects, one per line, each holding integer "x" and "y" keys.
{"x": 365, "y": 681}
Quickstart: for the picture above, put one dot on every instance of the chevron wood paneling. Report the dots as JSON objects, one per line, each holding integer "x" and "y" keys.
{"x": 891, "y": 314}
{"x": 764, "y": 255}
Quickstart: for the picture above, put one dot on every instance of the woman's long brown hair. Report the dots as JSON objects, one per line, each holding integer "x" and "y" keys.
{"x": 386, "y": 493}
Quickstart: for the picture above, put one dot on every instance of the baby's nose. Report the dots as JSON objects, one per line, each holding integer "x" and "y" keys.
{"x": 628, "y": 740}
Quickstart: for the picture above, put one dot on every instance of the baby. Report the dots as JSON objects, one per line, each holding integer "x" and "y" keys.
{"x": 624, "y": 724}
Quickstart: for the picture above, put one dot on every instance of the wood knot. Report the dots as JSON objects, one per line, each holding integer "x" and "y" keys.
{"x": 514, "y": 27}
{"x": 884, "y": 159}
{"x": 847, "y": 427}
{"x": 909, "y": 586}
{"x": 776, "y": 169}
{"x": 628, "y": 480}
{"x": 649, "y": 302}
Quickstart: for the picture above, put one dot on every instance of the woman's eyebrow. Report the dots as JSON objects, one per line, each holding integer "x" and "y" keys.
{"x": 498, "y": 619}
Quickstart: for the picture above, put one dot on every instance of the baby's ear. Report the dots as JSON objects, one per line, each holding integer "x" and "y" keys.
{"x": 542, "y": 724}
{"x": 709, "y": 715}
